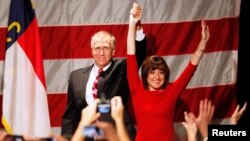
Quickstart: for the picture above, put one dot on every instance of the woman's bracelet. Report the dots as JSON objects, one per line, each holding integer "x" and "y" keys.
{"x": 200, "y": 50}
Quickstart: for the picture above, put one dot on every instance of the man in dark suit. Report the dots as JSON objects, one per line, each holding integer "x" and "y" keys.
{"x": 111, "y": 82}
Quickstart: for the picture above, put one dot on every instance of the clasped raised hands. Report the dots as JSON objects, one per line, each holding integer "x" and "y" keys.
{"x": 135, "y": 13}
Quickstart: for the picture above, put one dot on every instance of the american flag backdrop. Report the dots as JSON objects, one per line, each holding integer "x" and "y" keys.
{"x": 172, "y": 29}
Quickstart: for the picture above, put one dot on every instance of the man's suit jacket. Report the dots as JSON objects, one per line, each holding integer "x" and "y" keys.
{"x": 112, "y": 82}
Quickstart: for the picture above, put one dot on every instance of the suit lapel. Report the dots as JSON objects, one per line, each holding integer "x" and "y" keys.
{"x": 85, "y": 77}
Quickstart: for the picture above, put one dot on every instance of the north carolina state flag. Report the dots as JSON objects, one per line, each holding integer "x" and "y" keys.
{"x": 25, "y": 107}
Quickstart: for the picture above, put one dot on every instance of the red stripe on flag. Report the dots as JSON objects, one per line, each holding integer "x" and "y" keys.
{"x": 32, "y": 48}
{"x": 57, "y": 105}
{"x": 182, "y": 38}
{"x": 223, "y": 97}
{"x": 3, "y": 33}
{"x": 66, "y": 42}
{"x": 162, "y": 39}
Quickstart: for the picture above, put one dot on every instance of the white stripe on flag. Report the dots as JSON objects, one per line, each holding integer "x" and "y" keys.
{"x": 79, "y": 12}
{"x": 223, "y": 66}
{"x": 24, "y": 96}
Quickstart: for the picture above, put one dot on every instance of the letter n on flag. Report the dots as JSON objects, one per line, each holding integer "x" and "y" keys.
{"x": 25, "y": 106}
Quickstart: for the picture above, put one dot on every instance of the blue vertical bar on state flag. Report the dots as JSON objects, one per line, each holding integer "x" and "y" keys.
{"x": 20, "y": 16}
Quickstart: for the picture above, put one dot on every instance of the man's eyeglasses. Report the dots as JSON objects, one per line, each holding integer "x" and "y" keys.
{"x": 104, "y": 49}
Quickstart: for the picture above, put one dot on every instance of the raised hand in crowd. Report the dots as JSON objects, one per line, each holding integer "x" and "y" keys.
{"x": 206, "y": 111}
{"x": 117, "y": 113}
{"x": 190, "y": 127}
{"x": 237, "y": 113}
{"x": 3, "y": 135}
{"x": 90, "y": 117}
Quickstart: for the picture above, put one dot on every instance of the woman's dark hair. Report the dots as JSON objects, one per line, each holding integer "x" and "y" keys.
{"x": 151, "y": 63}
